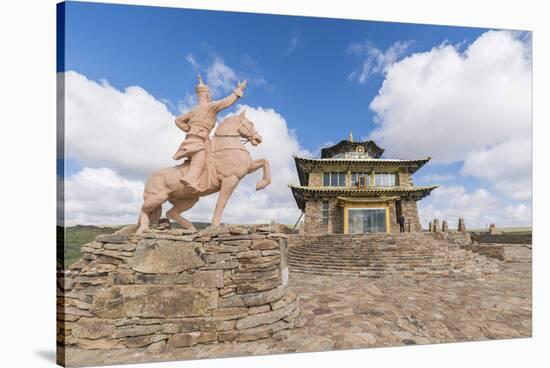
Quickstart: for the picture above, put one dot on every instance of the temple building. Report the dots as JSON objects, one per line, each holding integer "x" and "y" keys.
{"x": 351, "y": 190}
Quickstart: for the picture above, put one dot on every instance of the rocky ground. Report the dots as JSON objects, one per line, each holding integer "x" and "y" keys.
{"x": 347, "y": 312}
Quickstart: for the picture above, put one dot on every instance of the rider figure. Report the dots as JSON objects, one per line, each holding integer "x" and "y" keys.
{"x": 198, "y": 123}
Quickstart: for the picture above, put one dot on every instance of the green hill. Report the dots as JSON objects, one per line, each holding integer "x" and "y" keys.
{"x": 68, "y": 246}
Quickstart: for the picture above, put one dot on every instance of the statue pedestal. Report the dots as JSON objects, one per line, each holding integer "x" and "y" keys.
{"x": 172, "y": 289}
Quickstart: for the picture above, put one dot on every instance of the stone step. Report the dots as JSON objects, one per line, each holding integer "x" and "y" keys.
{"x": 366, "y": 263}
{"x": 429, "y": 269}
{"x": 381, "y": 255}
{"x": 367, "y": 274}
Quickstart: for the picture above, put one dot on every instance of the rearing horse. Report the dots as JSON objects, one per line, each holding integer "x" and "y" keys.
{"x": 231, "y": 161}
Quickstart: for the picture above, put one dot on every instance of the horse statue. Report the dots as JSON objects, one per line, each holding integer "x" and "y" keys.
{"x": 228, "y": 161}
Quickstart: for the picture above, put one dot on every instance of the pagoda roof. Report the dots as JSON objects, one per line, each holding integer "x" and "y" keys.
{"x": 301, "y": 193}
{"x": 306, "y": 165}
{"x": 347, "y": 145}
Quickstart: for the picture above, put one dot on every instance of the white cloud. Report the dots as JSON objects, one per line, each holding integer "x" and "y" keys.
{"x": 462, "y": 106}
{"x": 436, "y": 178}
{"x": 188, "y": 101}
{"x": 128, "y": 131}
{"x": 120, "y": 137}
{"x": 507, "y": 165}
{"x": 479, "y": 208}
{"x": 100, "y": 196}
{"x": 191, "y": 60}
{"x": 376, "y": 61}
{"x": 220, "y": 77}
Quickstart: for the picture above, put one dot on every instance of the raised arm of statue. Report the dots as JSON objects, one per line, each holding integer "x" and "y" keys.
{"x": 224, "y": 103}
{"x": 182, "y": 121}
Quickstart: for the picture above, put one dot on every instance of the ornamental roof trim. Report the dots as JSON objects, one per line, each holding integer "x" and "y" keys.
{"x": 345, "y": 144}
{"x": 415, "y": 192}
{"x": 305, "y": 165}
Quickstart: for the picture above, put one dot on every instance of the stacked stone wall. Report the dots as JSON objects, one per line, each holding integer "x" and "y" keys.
{"x": 313, "y": 217}
{"x": 315, "y": 179}
{"x": 172, "y": 289}
{"x": 505, "y": 238}
{"x": 503, "y": 252}
{"x": 453, "y": 237}
{"x": 410, "y": 212}
{"x": 404, "y": 179}
{"x": 313, "y": 222}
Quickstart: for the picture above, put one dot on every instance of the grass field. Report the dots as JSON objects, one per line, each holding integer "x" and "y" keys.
{"x": 69, "y": 244}
{"x": 76, "y": 236}
{"x": 518, "y": 229}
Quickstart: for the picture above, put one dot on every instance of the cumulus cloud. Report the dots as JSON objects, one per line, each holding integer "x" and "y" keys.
{"x": 101, "y": 196}
{"x": 436, "y": 178}
{"x": 192, "y": 60}
{"x": 376, "y": 61}
{"x": 220, "y": 77}
{"x": 507, "y": 165}
{"x": 120, "y": 137}
{"x": 129, "y": 131}
{"x": 479, "y": 208}
{"x": 472, "y": 106}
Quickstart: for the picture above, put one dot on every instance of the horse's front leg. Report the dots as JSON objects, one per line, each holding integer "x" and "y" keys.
{"x": 227, "y": 187}
{"x": 266, "y": 177}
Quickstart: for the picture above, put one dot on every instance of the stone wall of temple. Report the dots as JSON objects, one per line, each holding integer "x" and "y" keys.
{"x": 404, "y": 179}
{"x": 313, "y": 220}
{"x": 315, "y": 179}
{"x": 336, "y": 217}
{"x": 173, "y": 288}
{"x": 410, "y": 212}
{"x": 394, "y": 226}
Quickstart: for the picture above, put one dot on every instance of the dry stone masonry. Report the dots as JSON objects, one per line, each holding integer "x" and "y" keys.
{"x": 172, "y": 289}
{"x": 461, "y": 225}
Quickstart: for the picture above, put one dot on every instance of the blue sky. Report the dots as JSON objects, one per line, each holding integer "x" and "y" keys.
{"x": 147, "y": 46}
{"x": 306, "y": 69}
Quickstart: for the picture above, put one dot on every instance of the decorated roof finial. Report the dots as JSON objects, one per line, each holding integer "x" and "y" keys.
{"x": 350, "y": 136}
{"x": 201, "y": 87}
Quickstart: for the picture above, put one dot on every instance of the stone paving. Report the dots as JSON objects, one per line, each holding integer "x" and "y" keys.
{"x": 347, "y": 313}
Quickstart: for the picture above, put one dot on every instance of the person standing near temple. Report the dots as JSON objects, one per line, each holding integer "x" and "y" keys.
{"x": 401, "y": 221}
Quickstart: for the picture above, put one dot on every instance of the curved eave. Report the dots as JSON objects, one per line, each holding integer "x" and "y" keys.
{"x": 302, "y": 192}
{"x": 306, "y": 165}
{"x": 372, "y": 147}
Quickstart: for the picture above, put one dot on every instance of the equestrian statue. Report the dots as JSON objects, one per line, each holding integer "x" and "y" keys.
{"x": 210, "y": 165}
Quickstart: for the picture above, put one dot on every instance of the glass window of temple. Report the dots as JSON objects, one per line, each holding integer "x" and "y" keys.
{"x": 360, "y": 179}
{"x": 334, "y": 179}
{"x": 367, "y": 220}
{"x": 325, "y": 212}
{"x": 384, "y": 179}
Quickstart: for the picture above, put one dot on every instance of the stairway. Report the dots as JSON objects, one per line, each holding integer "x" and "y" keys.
{"x": 384, "y": 255}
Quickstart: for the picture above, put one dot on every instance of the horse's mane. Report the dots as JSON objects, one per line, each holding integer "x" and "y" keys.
{"x": 226, "y": 123}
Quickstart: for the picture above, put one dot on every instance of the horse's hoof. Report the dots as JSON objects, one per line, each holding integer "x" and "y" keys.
{"x": 142, "y": 231}
{"x": 262, "y": 184}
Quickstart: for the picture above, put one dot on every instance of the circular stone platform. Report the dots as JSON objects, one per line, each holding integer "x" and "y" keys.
{"x": 172, "y": 288}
